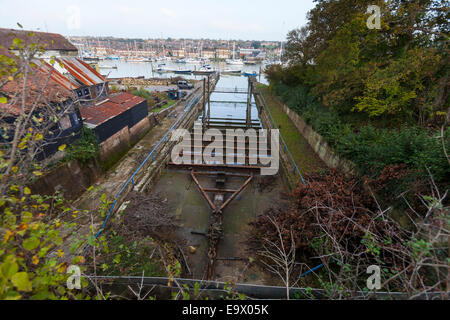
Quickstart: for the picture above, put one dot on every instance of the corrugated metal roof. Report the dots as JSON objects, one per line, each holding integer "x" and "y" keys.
{"x": 82, "y": 71}
{"x": 110, "y": 108}
{"x": 58, "y": 77}
{"x": 52, "y": 91}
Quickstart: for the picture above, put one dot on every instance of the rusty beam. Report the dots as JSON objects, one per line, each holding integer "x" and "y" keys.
{"x": 214, "y": 190}
{"x": 211, "y": 204}
{"x": 215, "y": 167}
{"x": 226, "y": 173}
{"x": 236, "y": 193}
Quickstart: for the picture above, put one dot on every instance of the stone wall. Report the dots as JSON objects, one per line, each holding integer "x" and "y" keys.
{"x": 117, "y": 143}
{"x": 318, "y": 143}
{"x": 139, "y": 130}
{"x": 71, "y": 179}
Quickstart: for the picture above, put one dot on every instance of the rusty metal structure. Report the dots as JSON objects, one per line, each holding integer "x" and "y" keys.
{"x": 220, "y": 196}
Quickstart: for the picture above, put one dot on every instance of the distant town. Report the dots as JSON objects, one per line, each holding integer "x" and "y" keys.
{"x": 104, "y": 47}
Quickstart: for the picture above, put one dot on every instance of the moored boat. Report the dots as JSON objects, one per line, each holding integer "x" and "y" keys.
{"x": 183, "y": 71}
{"x": 231, "y": 72}
{"x": 251, "y": 74}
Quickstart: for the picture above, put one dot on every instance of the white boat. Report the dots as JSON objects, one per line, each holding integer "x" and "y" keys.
{"x": 231, "y": 71}
{"x": 137, "y": 59}
{"x": 193, "y": 61}
{"x": 163, "y": 70}
{"x": 205, "y": 70}
{"x": 234, "y": 61}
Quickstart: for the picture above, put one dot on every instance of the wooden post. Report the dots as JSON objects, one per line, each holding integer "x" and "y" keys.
{"x": 249, "y": 103}
{"x": 260, "y": 71}
{"x": 204, "y": 105}
{"x": 209, "y": 100}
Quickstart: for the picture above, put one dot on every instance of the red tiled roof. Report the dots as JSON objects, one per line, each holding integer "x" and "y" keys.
{"x": 50, "y": 41}
{"x": 111, "y": 108}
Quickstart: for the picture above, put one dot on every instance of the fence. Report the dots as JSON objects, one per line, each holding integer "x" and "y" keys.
{"x": 131, "y": 181}
{"x": 285, "y": 147}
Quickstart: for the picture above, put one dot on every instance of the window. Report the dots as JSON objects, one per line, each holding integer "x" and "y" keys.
{"x": 75, "y": 120}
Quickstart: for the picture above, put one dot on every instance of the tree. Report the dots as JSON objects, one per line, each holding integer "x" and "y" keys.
{"x": 297, "y": 47}
{"x": 32, "y": 104}
{"x": 278, "y": 255}
{"x": 32, "y": 264}
{"x": 351, "y": 68}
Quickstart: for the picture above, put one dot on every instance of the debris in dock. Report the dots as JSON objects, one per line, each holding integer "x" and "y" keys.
{"x": 148, "y": 215}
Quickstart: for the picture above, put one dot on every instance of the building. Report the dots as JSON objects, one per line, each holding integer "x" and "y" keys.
{"x": 44, "y": 97}
{"x": 254, "y": 55}
{"x": 77, "y": 88}
{"x": 117, "y": 120}
{"x": 210, "y": 54}
{"x": 223, "y": 53}
{"x": 118, "y": 112}
{"x": 54, "y": 45}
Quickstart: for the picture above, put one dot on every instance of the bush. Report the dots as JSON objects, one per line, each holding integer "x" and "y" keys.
{"x": 371, "y": 149}
{"x": 85, "y": 149}
{"x": 144, "y": 94}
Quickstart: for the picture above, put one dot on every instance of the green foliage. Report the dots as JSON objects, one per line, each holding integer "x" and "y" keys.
{"x": 371, "y": 244}
{"x": 119, "y": 254}
{"x": 85, "y": 149}
{"x": 398, "y": 71}
{"x": 31, "y": 264}
{"x": 371, "y": 148}
{"x": 394, "y": 88}
{"x": 146, "y": 95}
{"x": 143, "y": 94}
{"x": 32, "y": 226}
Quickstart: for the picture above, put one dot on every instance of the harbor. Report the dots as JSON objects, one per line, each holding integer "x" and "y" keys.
{"x": 170, "y": 69}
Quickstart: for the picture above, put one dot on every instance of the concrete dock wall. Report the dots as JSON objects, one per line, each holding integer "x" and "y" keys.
{"x": 71, "y": 179}
{"x": 318, "y": 143}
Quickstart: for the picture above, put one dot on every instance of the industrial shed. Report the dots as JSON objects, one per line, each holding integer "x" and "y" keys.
{"x": 48, "y": 96}
{"x": 114, "y": 114}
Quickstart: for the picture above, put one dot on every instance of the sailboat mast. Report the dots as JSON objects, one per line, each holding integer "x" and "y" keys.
{"x": 234, "y": 50}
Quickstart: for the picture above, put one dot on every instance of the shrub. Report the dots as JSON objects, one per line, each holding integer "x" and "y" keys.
{"x": 85, "y": 149}
{"x": 144, "y": 94}
{"x": 371, "y": 149}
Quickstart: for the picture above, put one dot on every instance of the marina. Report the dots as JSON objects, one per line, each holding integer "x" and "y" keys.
{"x": 170, "y": 69}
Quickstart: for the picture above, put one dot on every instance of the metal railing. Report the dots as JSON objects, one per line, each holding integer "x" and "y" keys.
{"x": 164, "y": 139}
{"x": 231, "y": 90}
{"x": 285, "y": 147}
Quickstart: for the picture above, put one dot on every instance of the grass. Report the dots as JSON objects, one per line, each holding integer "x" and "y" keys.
{"x": 306, "y": 159}
{"x": 168, "y": 105}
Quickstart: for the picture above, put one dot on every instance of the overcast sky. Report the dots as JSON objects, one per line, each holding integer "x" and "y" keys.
{"x": 215, "y": 19}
